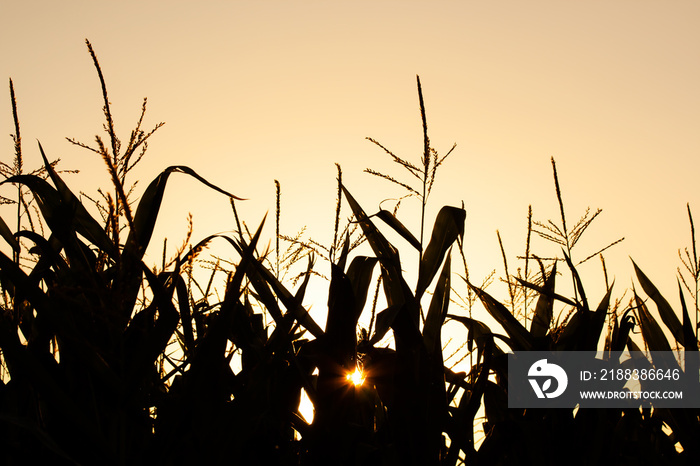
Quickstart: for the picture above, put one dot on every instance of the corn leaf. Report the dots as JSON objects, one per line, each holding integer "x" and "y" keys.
{"x": 49, "y": 252}
{"x": 652, "y": 333}
{"x": 577, "y": 280}
{"x": 620, "y": 335}
{"x": 339, "y": 338}
{"x": 379, "y": 244}
{"x": 542, "y": 290}
{"x": 360, "y": 275}
{"x": 597, "y": 320}
{"x": 301, "y": 291}
{"x": 295, "y": 308}
{"x": 183, "y": 301}
{"x": 64, "y": 218}
{"x": 437, "y": 311}
{"x": 449, "y": 225}
{"x": 398, "y": 294}
{"x": 688, "y": 334}
{"x": 344, "y": 252}
{"x": 384, "y": 320}
{"x": 85, "y": 224}
{"x": 7, "y": 235}
{"x": 476, "y": 330}
{"x": 521, "y": 337}
{"x": 665, "y": 311}
{"x": 544, "y": 309}
{"x": 398, "y": 227}
{"x": 149, "y": 208}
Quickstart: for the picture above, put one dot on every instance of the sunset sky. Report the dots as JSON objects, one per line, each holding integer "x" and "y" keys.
{"x": 257, "y": 91}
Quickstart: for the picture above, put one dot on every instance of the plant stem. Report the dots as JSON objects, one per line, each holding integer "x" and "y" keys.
{"x": 18, "y": 164}
{"x": 426, "y": 163}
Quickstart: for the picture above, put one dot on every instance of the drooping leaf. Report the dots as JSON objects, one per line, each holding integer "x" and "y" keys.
{"x": 398, "y": 227}
{"x": 541, "y": 290}
{"x": 149, "y": 208}
{"x": 475, "y": 328}
{"x": 449, "y": 225}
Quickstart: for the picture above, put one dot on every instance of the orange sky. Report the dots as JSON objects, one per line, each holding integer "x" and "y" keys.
{"x": 256, "y": 91}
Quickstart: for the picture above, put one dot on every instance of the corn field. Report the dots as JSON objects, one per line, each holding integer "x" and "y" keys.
{"x": 108, "y": 360}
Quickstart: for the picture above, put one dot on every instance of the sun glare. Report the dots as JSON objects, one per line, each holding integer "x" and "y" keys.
{"x": 356, "y": 377}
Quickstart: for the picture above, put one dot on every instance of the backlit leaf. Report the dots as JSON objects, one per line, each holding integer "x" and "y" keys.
{"x": 437, "y": 311}
{"x": 545, "y": 306}
{"x": 449, "y": 225}
{"x": 665, "y": 311}
{"x": 521, "y": 337}
{"x": 398, "y": 227}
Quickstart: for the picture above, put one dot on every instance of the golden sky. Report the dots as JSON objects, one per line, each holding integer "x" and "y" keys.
{"x": 256, "y": 91}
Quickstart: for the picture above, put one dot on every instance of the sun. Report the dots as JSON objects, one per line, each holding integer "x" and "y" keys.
{"x": 357, "y": 377}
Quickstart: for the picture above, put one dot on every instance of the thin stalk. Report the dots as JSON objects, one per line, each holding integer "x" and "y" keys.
{"x": 235, "y": 215}
{"x": 460, "y": 244}
{"x": 505, "y": 265}
{"x": 277, "y": 227}
{"x": 426, "y": 169}
{"x": 338, "y": 204}
{"x": 565, "y": 232}
{"x": 696, "y": 270}
{"x": 527, "y": 255}
{"x": 17, "y": 138}
{"x": 426, "y": 165}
